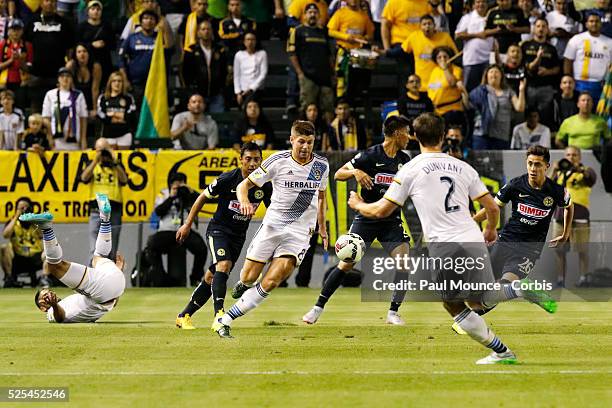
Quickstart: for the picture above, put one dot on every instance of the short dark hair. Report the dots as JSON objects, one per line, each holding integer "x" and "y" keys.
{"x": 250, "y": 147}
{"x": 393, "y": 124}
{"x": 149, "y": 13}
{"x": 449, "y": 51}
{"x": 537, "y": 150}
{"x": 342, "y": 101}
{"x": 178, "y": 176}
{"x": 429, "y": 129}
{"x": 24, "y": 198}
{"x": 541, "y": 19}
{"x": 427, "y": 17}
{"x": 303, "y": 128}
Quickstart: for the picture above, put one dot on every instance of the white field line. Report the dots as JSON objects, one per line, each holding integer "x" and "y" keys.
{"x": 509, "y": 371}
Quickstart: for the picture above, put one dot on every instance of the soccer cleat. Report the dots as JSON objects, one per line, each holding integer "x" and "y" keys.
{"x": 457, "y": 329}
{"x": 395, "y": 319}
{"x": 221, "y": 329}
{"x": 214, "y": 327}
{"x": 184, "y": 322}
{"x": 507, "y": 357}
{"x": 238, "y": 289}
{"x": 104, "y": 206}
{"x": 313, "y": 315}
{"x": 539, "y": 297}
{"x": 42, "y": 220}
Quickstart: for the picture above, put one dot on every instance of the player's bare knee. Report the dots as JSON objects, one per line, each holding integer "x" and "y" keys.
{"x": 454, "y": 308}
{"x": 345, "y": 266}
{"x": 223, "y": 266}
{"x": 208, "y": 277}
{"x": 59, "y": 269}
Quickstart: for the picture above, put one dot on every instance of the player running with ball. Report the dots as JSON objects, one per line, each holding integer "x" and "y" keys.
{"x": 98, "y": 288}
{"x": 441, "y": 187}
{"x": 374, "y": 170}
{"x": 226, "y": 232}
{"x": 299, "y": 180}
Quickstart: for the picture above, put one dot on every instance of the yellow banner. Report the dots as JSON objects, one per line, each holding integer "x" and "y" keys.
{"x": 53, "y": 183}
{"x": 201, "y": 167}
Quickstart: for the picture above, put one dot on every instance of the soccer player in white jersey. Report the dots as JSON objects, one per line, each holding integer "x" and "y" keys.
{"x": 440, "y": 187}
{"x": 299, "y": 181}
{"x": 98, "y": 288}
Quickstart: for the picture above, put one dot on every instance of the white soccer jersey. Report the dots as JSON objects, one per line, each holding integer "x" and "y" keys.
{"x": 591, "y": 56}
{"x": 10, "y": 125}
{"x": 440, "y": 187}
{"x": 295, "y": 190}
{"x": 81, "y": 309}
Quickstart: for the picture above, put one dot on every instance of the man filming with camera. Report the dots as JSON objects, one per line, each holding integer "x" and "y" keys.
{"x": 105, "y": 175}
{"x": 578, "y": 179}
{"x": 172, "y": 208}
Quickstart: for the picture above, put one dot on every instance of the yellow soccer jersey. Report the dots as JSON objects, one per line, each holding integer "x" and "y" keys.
{"x": 422, "y": 48}
{"x": 444, "y": 97}
{"x": 346, "y": 22}
{"x": 105, "y": 181}
{"x": 404, "y": 17}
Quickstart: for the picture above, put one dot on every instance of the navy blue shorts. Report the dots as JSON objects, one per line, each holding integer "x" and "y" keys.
{"x": 224, "y": 246}
{"x": 389, "y": 234}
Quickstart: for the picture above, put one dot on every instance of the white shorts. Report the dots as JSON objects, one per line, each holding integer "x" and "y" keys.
{"x": 102, "y": 283}
{"x": 269, "y": 243}
{"x": 123, "y": 141}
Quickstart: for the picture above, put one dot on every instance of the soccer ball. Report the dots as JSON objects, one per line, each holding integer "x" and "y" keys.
{"x": 350, "y": 248}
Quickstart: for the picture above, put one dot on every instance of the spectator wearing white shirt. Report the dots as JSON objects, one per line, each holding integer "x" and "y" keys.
{"x": 477, "y": 46}
{"x": 250, "y": 70}
{"x": 11, "y": 122}
{"x": 587, "y": 58}
{"x": 562, "y": 26}
{"x": 65, "y": 112}
{"x": 530, "y": 133}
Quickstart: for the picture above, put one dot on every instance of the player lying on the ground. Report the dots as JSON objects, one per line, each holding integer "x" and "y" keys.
{"x": 441, "y": 187}
{"x": 98, "y": 287}
{"x": 374, "y": 170}
{"x": 534, "y": 199}
{"x": 226, "y": 231}
{"x": 299, "y": 178}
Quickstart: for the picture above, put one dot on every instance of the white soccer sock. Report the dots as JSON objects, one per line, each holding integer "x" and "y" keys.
{"x": 492, "y": 297}
{"x": 476, "y": 327}
{"x": 104, "y": 242}
{"x": 53, "y": 250}
{"x": 249, "y": 301}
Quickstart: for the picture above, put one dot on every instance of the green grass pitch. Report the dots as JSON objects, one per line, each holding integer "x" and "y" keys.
{"x": 134, "y": 357}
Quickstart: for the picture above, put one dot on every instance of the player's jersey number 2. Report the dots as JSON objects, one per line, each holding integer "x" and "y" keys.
{"x": 451, "y": 189}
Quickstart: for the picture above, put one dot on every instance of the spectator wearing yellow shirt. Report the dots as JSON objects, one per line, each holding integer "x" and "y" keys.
{"x": 446, "y": 89}
{"x": 422, "y": 43}
{"x": 352, "y": 28}
{"x": 23, "y": 254}
{"x": 584, "y": 130}
{"x": 400, "y": 18}
{"x": 578, "y": 179}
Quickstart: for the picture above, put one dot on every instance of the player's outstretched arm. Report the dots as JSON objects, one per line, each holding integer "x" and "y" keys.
{"x": 185, "y": 229}
{"x": 380, "y": 209}
{"x": 242, "y": 192}
{"x": 568, "y": 218}
{"x": 321, "y": 211}
{"x": 491, "y": 210}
